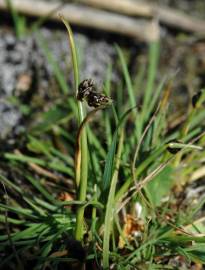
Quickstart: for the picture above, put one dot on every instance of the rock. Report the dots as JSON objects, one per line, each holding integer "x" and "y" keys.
{"x": 26, "y": 58}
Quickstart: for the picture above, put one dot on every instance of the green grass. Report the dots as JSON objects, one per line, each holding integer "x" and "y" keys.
{"x": 21, "y": 27}
{"x": 19, "y": 21}
{"x": 123, "y": 163}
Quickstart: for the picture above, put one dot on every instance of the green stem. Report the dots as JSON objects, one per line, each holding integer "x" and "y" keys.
{"x": 81, "y": 174}
{"x": 110, "y": 206}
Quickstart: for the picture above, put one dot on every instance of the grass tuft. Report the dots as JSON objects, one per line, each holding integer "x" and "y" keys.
{"x": 111, "y": 194}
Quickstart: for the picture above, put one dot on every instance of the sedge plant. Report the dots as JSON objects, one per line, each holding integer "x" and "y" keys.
{"x": 81, "y": 166}
{"x": 122, "y": 202}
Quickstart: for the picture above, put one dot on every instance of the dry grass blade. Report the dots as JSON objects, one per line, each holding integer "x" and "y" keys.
{"x": 140, "y": 142}
{"x": 197, "y": 174}
{"x": 87, "y": 17}
{"x": 168, "y": 16}
{"x": 137, "y": 188}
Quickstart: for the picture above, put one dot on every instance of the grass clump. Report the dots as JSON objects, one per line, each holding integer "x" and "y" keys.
{"x": 111, "y": 194}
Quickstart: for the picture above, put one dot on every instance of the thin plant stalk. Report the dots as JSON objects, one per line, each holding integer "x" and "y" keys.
{"x": 152, "y": 70}
{"x": 110, "y": 205}
{"x": 81, "y": 170}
